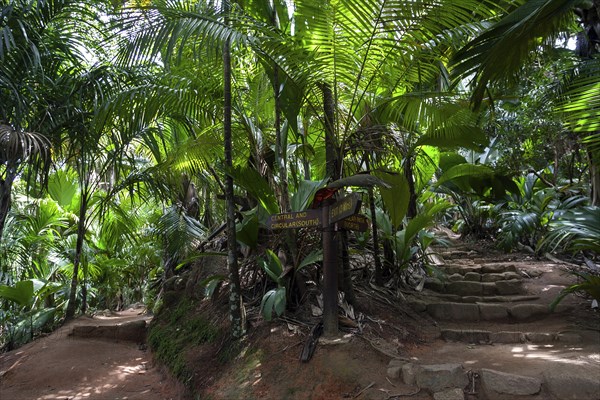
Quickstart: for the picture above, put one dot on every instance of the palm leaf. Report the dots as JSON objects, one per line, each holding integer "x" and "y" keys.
{"x": 501, "y": 50}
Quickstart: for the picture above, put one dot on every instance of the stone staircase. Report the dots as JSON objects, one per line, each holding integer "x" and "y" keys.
{"x": 493, "y": 335}
{"x": 501, "y": 301}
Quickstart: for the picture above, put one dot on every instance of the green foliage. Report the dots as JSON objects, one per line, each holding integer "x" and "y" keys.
{"x": 526, "y": 218}
{"x": 590, "y": 284}
{"x": 274, "y": 299}
{"x": 396, "y": 197}
{"x": 575, "y": 230}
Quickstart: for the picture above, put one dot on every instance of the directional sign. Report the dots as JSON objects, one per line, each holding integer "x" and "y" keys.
{"x": 344, "y": 207}
{"x": 294, "y": 220}
{"x": 356, "y": 222}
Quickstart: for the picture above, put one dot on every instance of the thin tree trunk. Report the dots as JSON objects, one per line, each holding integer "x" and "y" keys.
{"x": 376, "y": 258}
{"x": 5, "y": 199}
{"x": 594, "y": 179}
{"x": 70, "y": 313}
{"x": 235, "y": 296}
{"x": 412, "y": 202}
{"x": 331, "y": 169}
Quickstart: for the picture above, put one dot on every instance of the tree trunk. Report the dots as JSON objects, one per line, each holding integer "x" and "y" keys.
{"x": 235, "y": 297}
{"x": 377, "y": 260}
{"x": 70, "y": 313}
{"x": 5, "y": 199}
{"x": 412, "y": 202}
{"x": 594, "y": 164}
{"x": 332, "y": 162}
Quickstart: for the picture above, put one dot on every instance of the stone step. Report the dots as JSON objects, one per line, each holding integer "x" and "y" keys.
{"x": 429, "y": 296}
{"x": 475, "y": 312}
{"x": 476, "y": 288}
{"x": 478, "y": 336}
{"x": 486, "y": 268}
{"x": 452, "y": 381}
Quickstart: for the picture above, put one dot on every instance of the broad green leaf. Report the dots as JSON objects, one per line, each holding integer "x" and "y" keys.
{"x": 272, "y": 265}
{"x": 21, "y": 293}
{"x": 313, "y": 257}
{"x": 465, "y": 170}
{"x": 426, "y": 164}
{"x": 247, "y": 230}
{"x": 303, "y": 197}
{"x": 274, "y": 299}
{"x": 396, "y": 198}
{"x": 257, "y": 186}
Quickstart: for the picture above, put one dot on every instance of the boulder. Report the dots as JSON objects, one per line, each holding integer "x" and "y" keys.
{"x": 409, "y": 374}
{"x": 473, "y": 276}
{"x": 466, "y": 336}
{"x": 573, "y": 383}
{"x": 438, "y": 377}
{"x": 503, "y": 386}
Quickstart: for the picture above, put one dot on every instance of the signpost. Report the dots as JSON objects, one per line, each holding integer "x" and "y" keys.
{"x": 297, "y": 219}
{"x": 356, "y": 222}
{"x": 329, "y": 217}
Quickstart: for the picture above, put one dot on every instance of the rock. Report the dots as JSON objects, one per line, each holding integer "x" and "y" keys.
{"x": 489, "y": 312}
{"x": 503, "y": 386}
{"x": 441, "y": 376}
{"x": 466, "y": 336}
{"x": 394, "y": 372}
{"x": 409, "y": 373}
{"x": 454, "y": 311}
{"x": 528, "y": 311}
{"x": 573, "y": 383}
{"x": 492, "y": 277}
{"x": 513, "y": 286}
{"x": 510, "y": 275}
{"x": 489, "y": 288}
{"x": 538, "y": 337}
{"x": 470, "y": 299}
{"x": 473, "y": 276}
{"x": 507, "y": 337}
{"x": 569, "y": 337}
{"x": 498, "y": 268}
{"x": 434, "y": 284}
{"x": 394, "y": 368}
{"x": 455, "y": 277}
{"x": 449, "y": 394}
{"x": 465, "y": 288}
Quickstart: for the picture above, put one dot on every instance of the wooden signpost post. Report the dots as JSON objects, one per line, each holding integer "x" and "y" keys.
{"x": 341, "y": 214}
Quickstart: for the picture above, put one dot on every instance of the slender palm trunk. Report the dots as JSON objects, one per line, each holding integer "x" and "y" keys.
{"x": 5, "y": 199}
{"x": 412, "y": 202}
{"x": 70, "y": 313}
{"x": 330, "y": 142}
{"x": 235, "y": 296}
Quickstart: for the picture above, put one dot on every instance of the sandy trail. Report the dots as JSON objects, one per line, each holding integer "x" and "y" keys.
{"x": 63, "y": 367}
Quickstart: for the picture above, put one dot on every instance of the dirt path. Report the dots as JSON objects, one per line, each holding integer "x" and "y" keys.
{"x": 61, "y": 366}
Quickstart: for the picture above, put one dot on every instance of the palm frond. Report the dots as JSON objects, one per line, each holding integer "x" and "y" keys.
{"x": 500, "y": 51}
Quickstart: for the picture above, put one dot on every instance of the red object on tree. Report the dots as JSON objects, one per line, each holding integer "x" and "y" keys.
{"x": 323, "y": 195}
